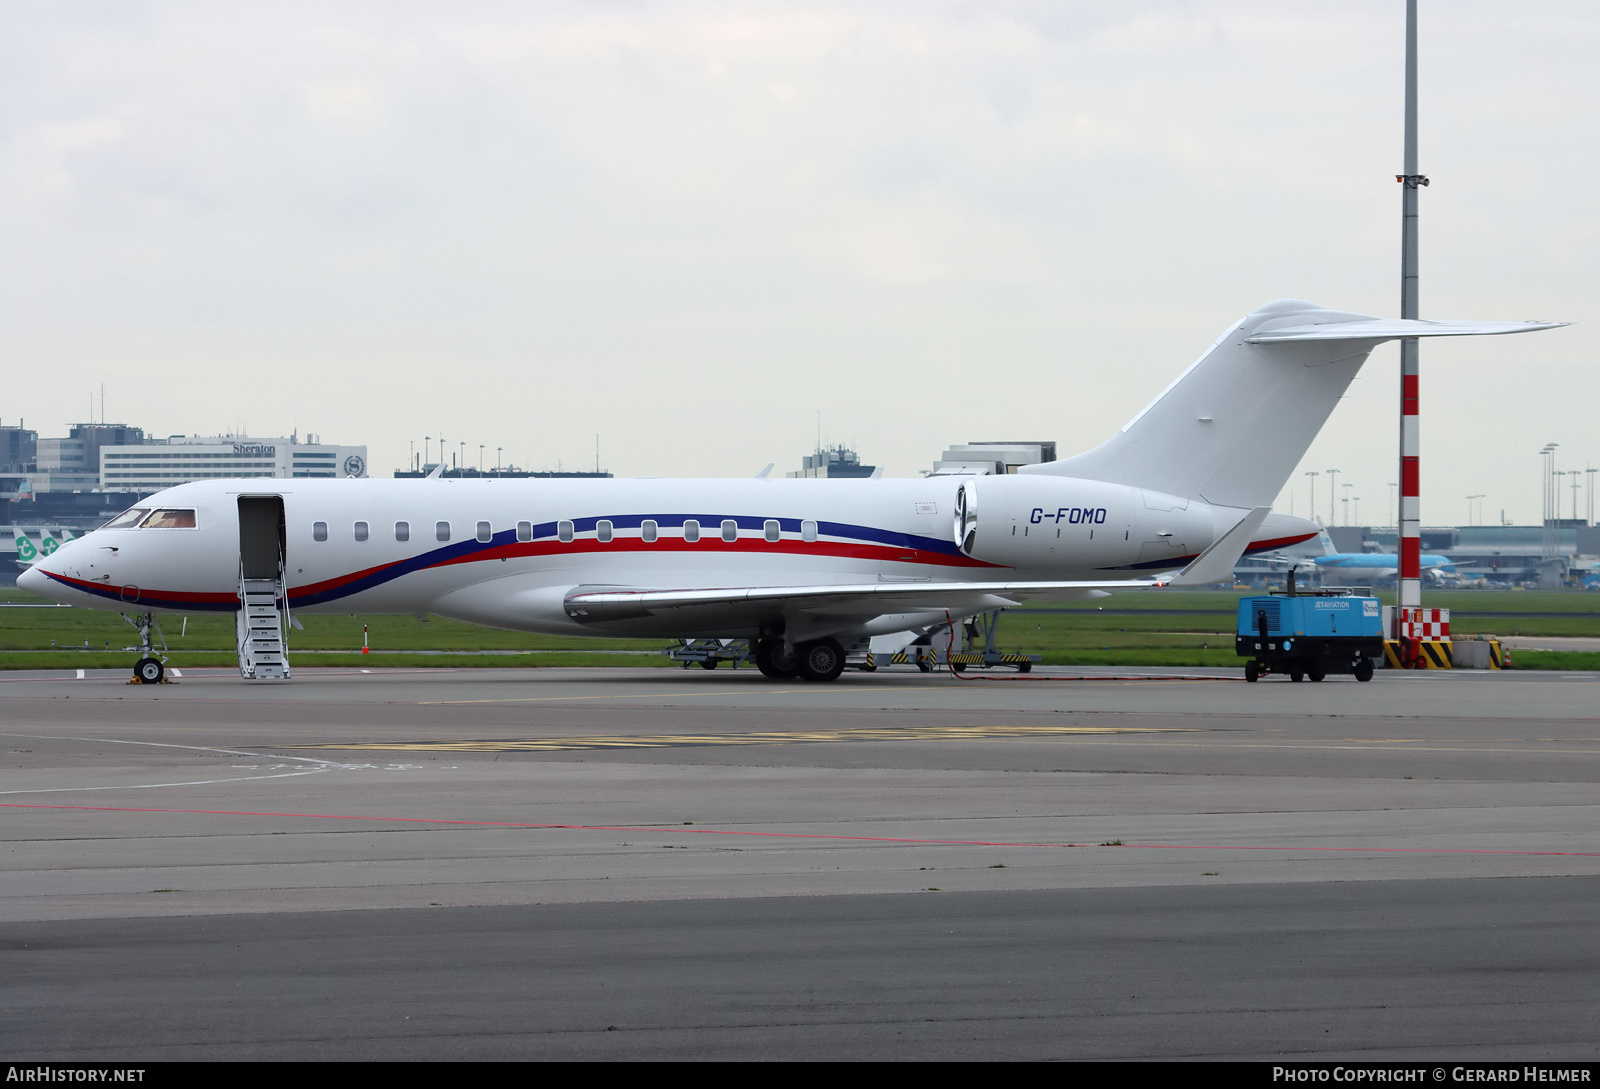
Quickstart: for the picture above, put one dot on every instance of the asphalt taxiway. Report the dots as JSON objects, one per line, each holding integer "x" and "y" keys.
{"x": 665, "y": 863}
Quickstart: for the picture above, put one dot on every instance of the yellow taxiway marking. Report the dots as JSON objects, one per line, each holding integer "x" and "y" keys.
{"x": 809, "y": 690}
{"x": 783, "y": 737}
{"x": 611, "y": 696}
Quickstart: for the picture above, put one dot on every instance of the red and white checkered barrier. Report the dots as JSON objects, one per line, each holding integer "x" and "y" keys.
{"x": 1431, "y": 624}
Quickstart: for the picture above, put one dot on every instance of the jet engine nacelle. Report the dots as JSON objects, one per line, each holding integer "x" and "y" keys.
{"x": 1028, "y": 521}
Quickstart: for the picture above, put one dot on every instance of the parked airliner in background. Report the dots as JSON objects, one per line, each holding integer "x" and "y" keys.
{"x": 1373, "y": 566}
{"x": 803, "y": 568}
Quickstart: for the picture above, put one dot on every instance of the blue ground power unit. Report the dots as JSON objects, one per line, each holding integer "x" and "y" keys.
{"x": 1309, "y": 634}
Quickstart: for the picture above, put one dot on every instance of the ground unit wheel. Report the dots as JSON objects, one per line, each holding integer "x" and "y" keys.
{"x": 1363, "y": 670}
{"x": 1315, "y": 673}
{"x": 775, "y": 659}
{"x": 709, "y": 663}
{"x": 1296, "y": 676}
{"x": 1252, "y": 672}
{"x": 1024, "y": 667}
{"x": 148, "y": 671}
{"x": 923, "y": 666}
{"x": 819, "y": 660}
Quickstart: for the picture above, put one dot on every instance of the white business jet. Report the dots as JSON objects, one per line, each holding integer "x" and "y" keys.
{"x": 803, "y": 568}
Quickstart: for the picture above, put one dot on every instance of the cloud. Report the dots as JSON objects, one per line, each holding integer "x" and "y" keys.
{"x": 690, "y": 227}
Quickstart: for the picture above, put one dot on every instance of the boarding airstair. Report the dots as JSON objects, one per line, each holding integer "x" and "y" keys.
{"x": 262, "y": 609}
{"x": 263, "y": 598}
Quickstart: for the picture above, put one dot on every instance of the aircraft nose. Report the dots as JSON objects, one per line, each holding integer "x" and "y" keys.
{"x": 34, "y": 581}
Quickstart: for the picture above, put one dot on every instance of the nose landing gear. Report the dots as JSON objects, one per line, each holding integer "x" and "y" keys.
{"x": 149, "y": 669}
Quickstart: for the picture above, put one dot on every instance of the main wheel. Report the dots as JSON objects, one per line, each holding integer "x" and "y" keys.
{"x": 820, "y": 659}
{"x": 1252, "y": 672}
{"x": 775, "y": 659}
{"x": 1363, "y": 670}
{"x": 148, "y": 671}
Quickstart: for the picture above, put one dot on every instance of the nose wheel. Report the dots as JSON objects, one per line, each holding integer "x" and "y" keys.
{"x": 149, "y": 668}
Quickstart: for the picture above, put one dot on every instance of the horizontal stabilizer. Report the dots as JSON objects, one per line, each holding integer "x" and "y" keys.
{"x": 1397, "y": 329}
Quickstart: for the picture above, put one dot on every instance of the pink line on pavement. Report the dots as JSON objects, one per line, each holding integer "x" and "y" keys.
{"x": 787, "y": 835}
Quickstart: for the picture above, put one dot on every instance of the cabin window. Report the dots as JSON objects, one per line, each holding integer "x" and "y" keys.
{"x": 602, "y": 531}
{"x": 691, "y": 531}
{"x": 773, "y": 530}
{"x": 319, "y": 531}
{"x": 361, "y": 531}
{"x": 402, "y": 531}
{"x": 170, "y": 519}
{"x": 564, "y": 531}
{"x": 524, "y": 532}
{"x": 441, "y": 531}
{"x": 485, "y": 534}
{"x": 730, "y": 530}
{"x": 808, "y": 530}
{"x": 127, "y": 519}
{"x": 647, "y": 530}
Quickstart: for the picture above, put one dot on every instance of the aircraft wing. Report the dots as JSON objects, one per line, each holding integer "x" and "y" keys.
{"x": 599, "y": 605}
{"x": 607, "y": 604}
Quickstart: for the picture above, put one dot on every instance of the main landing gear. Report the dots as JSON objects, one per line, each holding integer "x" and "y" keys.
{"x": 149, "y": 668}
{"x": 817, "y": 660}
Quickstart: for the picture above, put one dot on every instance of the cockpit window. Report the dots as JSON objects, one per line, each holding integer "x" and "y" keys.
{"x": 127, "y": 518}
{"x": 169, "y": 519}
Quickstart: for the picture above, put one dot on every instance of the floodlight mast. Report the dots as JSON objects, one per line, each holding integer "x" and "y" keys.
{"x": 1409, "y": 582}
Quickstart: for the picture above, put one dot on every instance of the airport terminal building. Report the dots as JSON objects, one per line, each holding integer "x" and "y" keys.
{"x": 181, "y": 458}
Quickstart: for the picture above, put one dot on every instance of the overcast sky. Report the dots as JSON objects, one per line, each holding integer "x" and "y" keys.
{"x": 690, "y": 228}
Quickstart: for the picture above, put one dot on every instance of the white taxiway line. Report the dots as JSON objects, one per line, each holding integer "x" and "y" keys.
{"x": 317, "y": 765}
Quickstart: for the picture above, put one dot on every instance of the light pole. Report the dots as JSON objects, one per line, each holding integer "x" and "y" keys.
{"x": 1346, "y": 503}
{"x": 1590, "y": 517}
{"x": 1333, "y": 493}
{"x": 1356, "y": 499}
{"x": 426, "y": 439}
{"x": 1471, "y": 521}
{"x": 1547, "y": 500}
{"x": 1313, "y": 477}
{"x": 497, "y": 450}
{"x": 1392, "y": 508}
{"x": 1408, "y": 519}
{"x": 480, "y": 459}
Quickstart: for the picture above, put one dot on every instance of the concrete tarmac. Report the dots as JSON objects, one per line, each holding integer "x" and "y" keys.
{"x": 895, "y": 865}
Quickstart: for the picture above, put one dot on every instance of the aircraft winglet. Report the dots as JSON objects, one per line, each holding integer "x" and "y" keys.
{"x": 1216, "y": 563}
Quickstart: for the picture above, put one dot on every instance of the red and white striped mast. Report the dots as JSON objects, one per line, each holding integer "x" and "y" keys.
{"x": 1410, "y": 514}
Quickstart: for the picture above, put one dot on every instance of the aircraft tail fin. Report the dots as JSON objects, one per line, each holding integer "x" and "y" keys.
{"x": 1324, "y": 539}
{"x": 1231, "y": 428}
